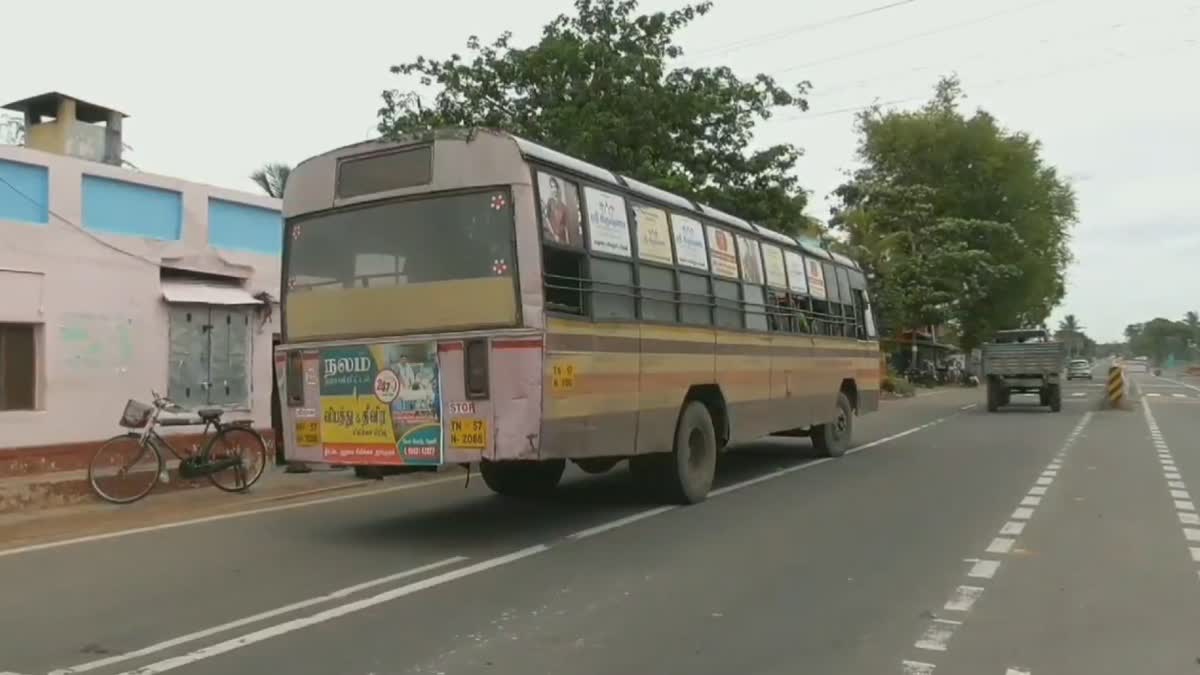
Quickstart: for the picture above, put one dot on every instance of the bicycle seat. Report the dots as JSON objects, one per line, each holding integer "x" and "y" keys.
{"x": 210, "y": 414}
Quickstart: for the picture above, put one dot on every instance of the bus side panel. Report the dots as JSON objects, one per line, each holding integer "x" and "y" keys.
{"x": 456, "y": 406}
{"x": 308, "y": 414}
{"x": 791, "y": 399}
{"x": 673, "y": 359}
{"x": 870, "y": 372}
{"x": 529, "y": 244}
{"x": 743, "y": 366}
{"x": 516, "y": 383}
{"x": 589, "y": 389}
{"x": 830, "y": 363}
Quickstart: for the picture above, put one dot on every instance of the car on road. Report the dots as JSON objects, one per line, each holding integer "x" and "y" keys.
{"x": 1079, "y": 369}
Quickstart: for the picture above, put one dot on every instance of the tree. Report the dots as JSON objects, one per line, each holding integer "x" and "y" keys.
{"x": 12, "y": 130}
{"x": 960, "y": 220}
{"x": 1071, "y": 332}
{"x": 272, "y": 178}
{"x": 1192, "y": 321}
{"x": 599, "y": 85}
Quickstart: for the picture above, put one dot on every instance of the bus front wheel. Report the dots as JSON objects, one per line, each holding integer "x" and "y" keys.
{"x": 522, "y": 478}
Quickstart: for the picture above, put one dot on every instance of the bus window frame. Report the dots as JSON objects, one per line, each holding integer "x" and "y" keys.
{"x": 285, "y": 257}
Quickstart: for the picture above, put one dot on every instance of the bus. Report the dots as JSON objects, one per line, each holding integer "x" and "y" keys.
{"x": 469, "y": 297}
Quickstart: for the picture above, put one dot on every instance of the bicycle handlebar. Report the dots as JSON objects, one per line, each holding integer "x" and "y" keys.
{"x": 164, "y": 403}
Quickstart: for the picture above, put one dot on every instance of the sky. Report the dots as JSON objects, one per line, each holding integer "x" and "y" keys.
{"x": 1108, "y": 87}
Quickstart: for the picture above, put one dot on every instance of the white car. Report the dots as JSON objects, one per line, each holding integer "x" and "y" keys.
{"x": 1079, "y": 369}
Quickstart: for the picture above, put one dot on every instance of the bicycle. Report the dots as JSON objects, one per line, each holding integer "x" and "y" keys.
{"x": 146, "y": 468}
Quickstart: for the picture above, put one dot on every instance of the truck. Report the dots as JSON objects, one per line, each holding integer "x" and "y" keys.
{"x": 1023, "y": 361}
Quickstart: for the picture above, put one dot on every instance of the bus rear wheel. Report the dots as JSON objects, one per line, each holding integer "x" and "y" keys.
{"x": 684, "y": 475}
{"x": 522, "y": 478}
{"x": 832, "y": 439}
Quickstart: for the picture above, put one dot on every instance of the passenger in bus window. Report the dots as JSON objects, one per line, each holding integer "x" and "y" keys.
{"x": 560, "y": 211}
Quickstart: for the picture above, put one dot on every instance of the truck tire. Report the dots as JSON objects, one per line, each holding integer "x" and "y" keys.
{"x": 522, "y": 478}
{"x": 1055, "y": 398}
{"x": 1044, "y": 396}
{"x": 684, "y": 475}
{"x": 833, "y": 439}
{"x": 993, "y": 396}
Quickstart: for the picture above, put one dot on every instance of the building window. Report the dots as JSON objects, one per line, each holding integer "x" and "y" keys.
{"x": 18, "y": 367}
{"x": 24, "y": 193}
{"x": 242, "y": 227}
{"x": 209, "y": 355}
{"x": 131, "y": 209}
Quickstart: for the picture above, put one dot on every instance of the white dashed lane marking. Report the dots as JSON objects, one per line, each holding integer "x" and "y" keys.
{"x": 937, "y": 633}
{"x": 1184, "y": 506}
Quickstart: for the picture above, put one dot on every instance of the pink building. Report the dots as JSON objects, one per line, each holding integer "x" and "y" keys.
{"x": 115, "y": 282}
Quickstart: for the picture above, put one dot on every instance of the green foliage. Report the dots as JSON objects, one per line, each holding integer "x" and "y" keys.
{"x": 272, "y": 178}
{"x": 958, "y": 220}
{"x": 1160, "y": 338}
{"x": 599, "y": 85}
{"x": 1077, "y": 341}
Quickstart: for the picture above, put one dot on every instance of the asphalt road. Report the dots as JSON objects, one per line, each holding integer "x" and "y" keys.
{"x": 954, "y": 541}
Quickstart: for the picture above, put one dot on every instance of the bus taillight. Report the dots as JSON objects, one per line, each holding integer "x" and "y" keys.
{"x": 476, "y": 368}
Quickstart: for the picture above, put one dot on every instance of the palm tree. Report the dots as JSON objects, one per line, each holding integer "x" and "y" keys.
{"x": 272, "y": 178}
{"x": 1070, "y": 329}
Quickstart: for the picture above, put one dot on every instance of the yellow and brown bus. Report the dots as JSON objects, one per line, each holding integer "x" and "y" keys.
{"x": 471, "y": 297}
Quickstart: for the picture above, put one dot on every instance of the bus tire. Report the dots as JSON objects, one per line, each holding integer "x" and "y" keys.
{"x": 691, "y": 466}
{"x": 522, "y": 478}
{"x": 833, "y": 438}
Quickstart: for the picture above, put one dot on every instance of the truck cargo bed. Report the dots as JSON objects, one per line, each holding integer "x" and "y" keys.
{"x": 1034, "y": 358}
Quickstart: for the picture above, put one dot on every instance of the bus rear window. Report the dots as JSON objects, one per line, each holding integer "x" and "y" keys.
{"x": 411, "y": 242}
{"x": 460, "y": 246}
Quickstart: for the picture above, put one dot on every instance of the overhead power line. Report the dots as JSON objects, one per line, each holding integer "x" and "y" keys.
{"x": 915, "y": 36}
{"x": 997, "y": 83}
{"x": 764, "y": 38}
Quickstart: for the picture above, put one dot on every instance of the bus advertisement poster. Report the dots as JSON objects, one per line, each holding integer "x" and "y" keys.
{"x": 380, "y": 404}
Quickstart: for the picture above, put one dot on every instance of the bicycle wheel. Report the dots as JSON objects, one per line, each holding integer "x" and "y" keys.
{"x": 243, "y": 444}
{"x": 124, "y": 469}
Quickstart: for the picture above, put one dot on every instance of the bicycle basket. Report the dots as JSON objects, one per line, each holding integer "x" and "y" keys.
{"x": 136, "y": 415}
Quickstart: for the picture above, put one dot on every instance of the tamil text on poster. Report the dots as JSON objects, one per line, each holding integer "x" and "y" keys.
{"x": 380, "y": 404}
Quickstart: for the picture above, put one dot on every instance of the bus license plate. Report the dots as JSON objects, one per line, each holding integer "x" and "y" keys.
{"x": 468, "y": 432}
{"x": 308, "y": 433}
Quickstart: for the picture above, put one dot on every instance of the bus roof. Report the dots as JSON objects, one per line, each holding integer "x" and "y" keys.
{"x": 531, "y": 150}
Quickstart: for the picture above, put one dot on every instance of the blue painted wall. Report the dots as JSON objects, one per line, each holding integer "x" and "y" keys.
{"x": 244, "y": 228}
{"x": 134, "y": 210}
{"x": 24, "y": 192}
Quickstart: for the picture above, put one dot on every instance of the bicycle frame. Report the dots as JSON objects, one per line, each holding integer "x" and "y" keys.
{"x": 150, "y": 435}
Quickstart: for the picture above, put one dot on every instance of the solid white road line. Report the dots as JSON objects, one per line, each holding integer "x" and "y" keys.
{"x": 254, "y": 618}
{"x": 359, "y": 605}
{"x": 334, "y": 612}
{"x": 1182, "y": 384}
{"x": 407, "y": 486}
{"x": 1154, "y": 394}
{"x": 225, "y": 516}
{"x": 964, "y": 597}
{"x": 599, "y": 529}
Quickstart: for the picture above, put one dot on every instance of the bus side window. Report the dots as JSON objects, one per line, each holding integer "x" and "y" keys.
{"x": 564, "y": 280}
{"x": 695, "y": 303}
{"x": 564, "y": 262}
